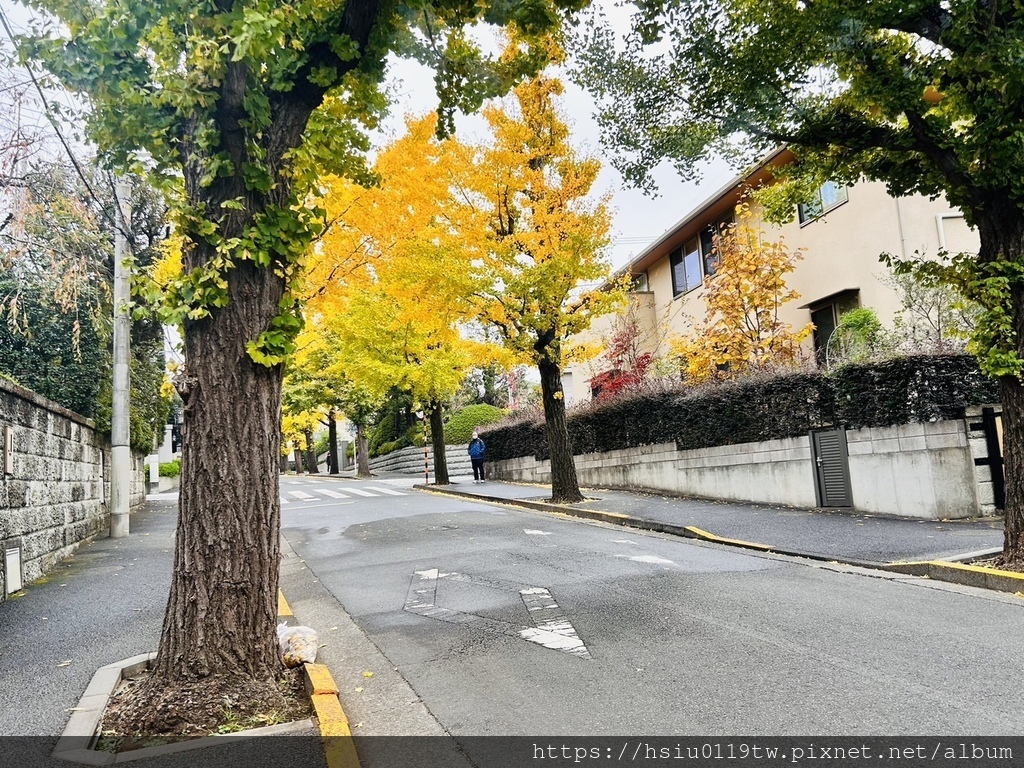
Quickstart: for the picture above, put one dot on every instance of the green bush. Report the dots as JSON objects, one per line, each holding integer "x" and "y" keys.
{"x": 459, "y": 426}
{"x": 170, "y": 468}
{"x": 385, "y": 448}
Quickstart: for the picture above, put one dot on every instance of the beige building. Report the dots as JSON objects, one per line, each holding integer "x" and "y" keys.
{"x": 842, "y": 236}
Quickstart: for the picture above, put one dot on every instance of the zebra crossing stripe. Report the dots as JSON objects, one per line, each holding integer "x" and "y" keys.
{"x": 389, "y": 491}
{"x": 301, "y": 495}
{"x": 359, "y": 492}
{"x": 332, "y": 494}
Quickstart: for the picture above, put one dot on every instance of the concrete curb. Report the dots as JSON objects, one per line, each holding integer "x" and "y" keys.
{"x": 78, "y": 741}
{"x": 960, "y": 573}
{"x": 335, "y": 733}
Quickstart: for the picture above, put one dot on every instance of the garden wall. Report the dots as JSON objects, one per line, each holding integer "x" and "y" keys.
{"x": 410, "y": 461}
{"x": 915, "y": 470}
{"x": 54, "y": 484}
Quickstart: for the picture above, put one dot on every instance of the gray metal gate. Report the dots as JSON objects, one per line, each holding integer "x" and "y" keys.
{"x": 831, "y": 468}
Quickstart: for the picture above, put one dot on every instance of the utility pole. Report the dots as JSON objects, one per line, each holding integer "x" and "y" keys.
{"x": 121, "y": 455}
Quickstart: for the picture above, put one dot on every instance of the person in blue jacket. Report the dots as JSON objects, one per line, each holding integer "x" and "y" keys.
{"x": 476, "y": 455}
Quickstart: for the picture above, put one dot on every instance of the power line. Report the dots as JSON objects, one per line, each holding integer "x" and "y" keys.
{"x": 67, "y": 148}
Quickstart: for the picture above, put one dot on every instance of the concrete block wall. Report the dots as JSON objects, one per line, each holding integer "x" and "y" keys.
{"x": 56, "y": 496}
{"x": 914, "y": 470}
{"x": 410, "y": 460}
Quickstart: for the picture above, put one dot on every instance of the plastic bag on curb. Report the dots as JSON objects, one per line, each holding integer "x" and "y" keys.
{"x": 298, "y": 645}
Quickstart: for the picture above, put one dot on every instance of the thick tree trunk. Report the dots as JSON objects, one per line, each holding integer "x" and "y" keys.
{"x": 564, "y": 485}
{"x": 311, "y": 457}
{"x": 362, "y": 452}
{"x": 1001, "y": 231}
{"x": 332, "y": 440}
{"x": 437, "y": 443}
{"x": 219, "y": 629}
{"x": 297, "y": 454}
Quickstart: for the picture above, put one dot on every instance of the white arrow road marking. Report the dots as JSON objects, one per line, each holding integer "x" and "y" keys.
{"x": 332, "y": 494}
{"x": 552, "y": 629}
{"x": 389, "y": 491}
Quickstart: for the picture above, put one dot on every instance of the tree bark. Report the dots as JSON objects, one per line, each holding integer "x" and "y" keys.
{"x": 297, "y": 453}
{"x": 222, "y": 609}
{"x": 311, "y": 457}
{"x": 437, "y": 443}
{"x": 362, "y": 452}
{"x": 332, "y": 440}
{"x": 565, "y": 486}
{"x": 1001, "y": 231}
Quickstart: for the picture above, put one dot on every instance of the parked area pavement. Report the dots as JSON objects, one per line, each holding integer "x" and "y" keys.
{"x": 848, "y": 537}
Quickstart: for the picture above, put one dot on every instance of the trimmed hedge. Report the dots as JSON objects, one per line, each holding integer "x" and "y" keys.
{"x": 899, "y": 391}
{"x": 459, "y": 426}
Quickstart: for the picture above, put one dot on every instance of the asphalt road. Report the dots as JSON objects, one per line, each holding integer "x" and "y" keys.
{"x": 509, "y": 622}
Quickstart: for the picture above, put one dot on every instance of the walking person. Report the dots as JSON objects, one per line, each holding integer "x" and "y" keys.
{"x": 476, "y": 456}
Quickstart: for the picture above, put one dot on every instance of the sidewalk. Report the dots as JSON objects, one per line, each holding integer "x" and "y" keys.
{"x": 848, "y": 537}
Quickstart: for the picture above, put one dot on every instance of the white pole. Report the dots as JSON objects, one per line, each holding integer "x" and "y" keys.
{"x": 121, "y": 456}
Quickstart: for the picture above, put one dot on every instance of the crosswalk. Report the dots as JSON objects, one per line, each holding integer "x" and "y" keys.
{"x": 320, "y": 494}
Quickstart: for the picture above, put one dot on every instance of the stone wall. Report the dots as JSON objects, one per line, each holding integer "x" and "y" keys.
{"x": 410, "y": 461}
{"x": 913, "y": 470}
{"x": 54, "y": 486}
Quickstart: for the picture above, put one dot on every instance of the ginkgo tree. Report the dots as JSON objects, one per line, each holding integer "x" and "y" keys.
{"x": 741, "y": 329}
{"x": 237, "y": 108}
{"x": 543, "y": 245}
{"x": 400, "y": 308}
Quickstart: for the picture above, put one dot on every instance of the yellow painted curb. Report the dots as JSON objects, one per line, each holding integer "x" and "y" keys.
{"x": 330, "y": 714}
{"x": 1011, "y": 575}
{"x": 966, "y": 575}
{"x": 283, "y": 609}
{"x": 319, "y": 680}
{"x": 700, "y": 533}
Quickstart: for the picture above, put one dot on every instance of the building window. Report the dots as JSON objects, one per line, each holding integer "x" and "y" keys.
{"x": 828, "y": 196}
{"x": 685, "y": 262}
{"x": 707, "y": 243}
{"x": 825, "y": 316}
{"x": 639, "y": 283}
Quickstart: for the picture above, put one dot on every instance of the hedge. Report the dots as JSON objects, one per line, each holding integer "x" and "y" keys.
{"x": 899, "y": 391}
{"x": 459, "y": 425}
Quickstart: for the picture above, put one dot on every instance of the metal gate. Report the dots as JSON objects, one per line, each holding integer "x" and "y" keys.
{"x": 831, "y": 468}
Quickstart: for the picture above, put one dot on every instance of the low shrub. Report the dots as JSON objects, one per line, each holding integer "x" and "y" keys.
{"x": 170, "y": 468}
{"x": 459, "y": 426}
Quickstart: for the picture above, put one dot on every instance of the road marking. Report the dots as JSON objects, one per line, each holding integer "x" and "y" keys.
{"x": 301, "y": 495}
{"x": 551, "y": 627}
{"x": 388, "y": 491}
{"x": 650, "y": 559}
{"x": 360, "y": 492}
{"x": 538, "y": 540}
{"x": 332, "y": 494}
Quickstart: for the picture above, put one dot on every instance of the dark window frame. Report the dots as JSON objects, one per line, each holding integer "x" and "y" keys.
{"x": 815, "y": 209}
